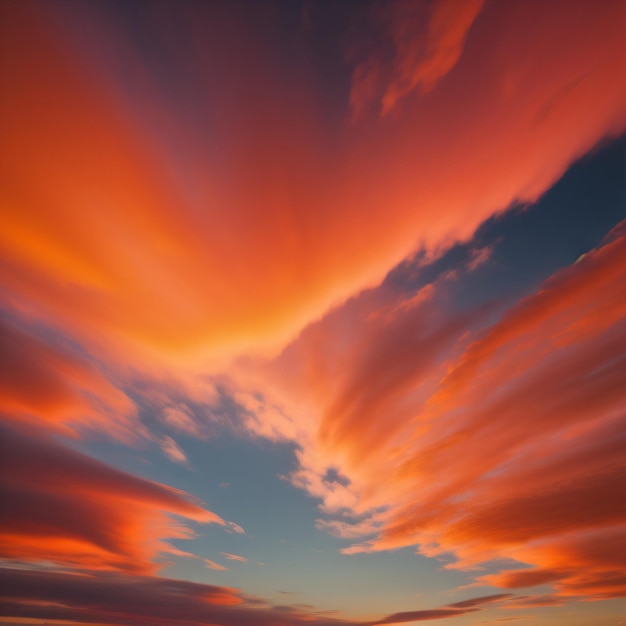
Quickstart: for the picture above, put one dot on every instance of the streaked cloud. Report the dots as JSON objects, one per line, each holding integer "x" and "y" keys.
{"x": 172, "y": 450}
{"x": 427, "y": 42}
{"x": 234, "y": 557}
{"x": 451, "y": 610}
{"x": 66, "y": 508}
{"x": 182, "y": 420}
{"x": 236, "y": 528}
{"x": 191, "y": 229}
{"x": 483, "y": 440}
{"x": 48, "y": 383}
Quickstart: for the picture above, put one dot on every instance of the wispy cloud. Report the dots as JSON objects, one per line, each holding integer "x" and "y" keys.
{"x": 427, "y": 42}
{"x": 236, "y": 528}
{"x": 427, "y": 391}
{"x": 172, "y": 450}
{"x": 234, "y": 557}
{"x": 181, "y": 419}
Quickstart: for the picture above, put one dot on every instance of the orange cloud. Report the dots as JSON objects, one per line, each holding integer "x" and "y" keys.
{"x": 46, "y": 380}
{"x": 502, "y": 442}
{"x": 159, "y": 245}
{"x": 588, "y": 563}
{"x": 63, "y": 507}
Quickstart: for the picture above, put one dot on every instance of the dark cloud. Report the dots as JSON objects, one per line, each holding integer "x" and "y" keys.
{"x": 61, "y": 506}
{"x": 474, "y": 602}
{"x": 114, "y": 598}
{"x": 418, "y": 616}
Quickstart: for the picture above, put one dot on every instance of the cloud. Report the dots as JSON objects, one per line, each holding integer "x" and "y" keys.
{"x": 63, "y": 507}
{"x": 135, "y": 600}
{"x": 236, "y": 528}
{"x": 484, "y": 439}
{"x": 131, "y": 600}
{"x": 577, "y": 564}
{"x": 47, "y": 383}
{"x": 422, "y": 55}
{"x": 213, "y": 565}
{"x": 479, "y": 256}
{"x": 198, "y": 271}
{"x": 172, "y": 450}
{"x": 418, "y": 616}
{"x": 451, "y": 610}
{"x": 182, "y": 419}
{"x": 234, "y": 557}
{"x": 524, "y": 602}
{"x": 474, "y": 602}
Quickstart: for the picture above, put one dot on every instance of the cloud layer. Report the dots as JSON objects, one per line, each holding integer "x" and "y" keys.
{"x": 137, "y": 600}
{"x": 203, "y": 264}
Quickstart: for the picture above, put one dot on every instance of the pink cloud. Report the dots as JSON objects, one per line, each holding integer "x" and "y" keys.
{"x": 182, "y": 420}
{"x": 172, "y": 450}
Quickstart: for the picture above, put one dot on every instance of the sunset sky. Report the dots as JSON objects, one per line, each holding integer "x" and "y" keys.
{"x": 312, "y": 312}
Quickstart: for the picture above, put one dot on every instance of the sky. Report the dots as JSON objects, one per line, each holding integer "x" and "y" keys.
{"x": 312, "y": 312}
